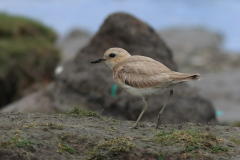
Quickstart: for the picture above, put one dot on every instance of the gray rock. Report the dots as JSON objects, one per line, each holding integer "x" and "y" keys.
{"x": 87, "y": 85}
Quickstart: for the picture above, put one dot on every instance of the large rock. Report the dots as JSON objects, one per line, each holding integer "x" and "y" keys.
{"x": 28, "y": 57}
{"x": 87, "y": 85}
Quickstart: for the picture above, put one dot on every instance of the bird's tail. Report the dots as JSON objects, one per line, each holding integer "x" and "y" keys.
{"x": 181, "y": 77}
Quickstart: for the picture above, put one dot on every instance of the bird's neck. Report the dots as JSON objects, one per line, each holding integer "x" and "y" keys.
{"x": 110, "y": 65}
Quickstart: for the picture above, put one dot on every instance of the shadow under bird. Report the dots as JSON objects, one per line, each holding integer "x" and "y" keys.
{"x": 143, "y": 76}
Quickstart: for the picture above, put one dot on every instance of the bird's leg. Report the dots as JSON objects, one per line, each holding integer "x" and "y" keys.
{"x": 159, "y": 119}
{"x": 140, "y": 116}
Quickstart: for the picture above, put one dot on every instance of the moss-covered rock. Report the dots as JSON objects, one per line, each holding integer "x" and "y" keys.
{"x": 18, "y": 27}
{"x": 27, "y": 55}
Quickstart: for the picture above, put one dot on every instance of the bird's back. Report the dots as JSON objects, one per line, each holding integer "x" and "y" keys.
{"x": 144, "y": 72}
{"x": 142, "y": 64}
{"x": 141, "y": 72}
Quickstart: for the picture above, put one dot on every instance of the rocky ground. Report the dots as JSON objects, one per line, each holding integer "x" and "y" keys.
{"x": 80, "y": 134}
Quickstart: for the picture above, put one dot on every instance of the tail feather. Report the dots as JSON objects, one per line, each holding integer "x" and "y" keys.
{"x": 176, "y": 76}
{"x": 194, "y": 77}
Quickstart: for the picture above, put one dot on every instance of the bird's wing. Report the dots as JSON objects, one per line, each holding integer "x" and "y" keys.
{"x": 141, "y": 72}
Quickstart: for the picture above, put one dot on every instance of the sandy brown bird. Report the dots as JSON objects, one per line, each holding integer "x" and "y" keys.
{"x": 143, "y": 76}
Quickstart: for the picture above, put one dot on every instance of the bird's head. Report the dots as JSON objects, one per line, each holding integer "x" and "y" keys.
{"x": 113, "y": 56}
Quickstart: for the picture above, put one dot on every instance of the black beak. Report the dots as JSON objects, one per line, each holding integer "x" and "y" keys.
{"x": 98, "y": 60}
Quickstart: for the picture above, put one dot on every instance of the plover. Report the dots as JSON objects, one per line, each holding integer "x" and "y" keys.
{"x": 143, "y": 76}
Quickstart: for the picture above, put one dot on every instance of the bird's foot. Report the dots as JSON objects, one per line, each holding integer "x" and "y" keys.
{"x": 158, "y": 123}
{"x": 159, "y": 120}
{"x": 157, "y": 126}
{"x": 134, "y": 126}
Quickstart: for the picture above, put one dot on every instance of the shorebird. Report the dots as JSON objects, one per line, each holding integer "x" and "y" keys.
{"x": 143, "y": 76}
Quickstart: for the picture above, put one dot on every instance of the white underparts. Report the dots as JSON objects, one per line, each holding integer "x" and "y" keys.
{"x": 139, "y": 92}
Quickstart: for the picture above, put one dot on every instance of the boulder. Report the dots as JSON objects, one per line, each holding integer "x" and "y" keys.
{"x": 28, "y": 57}
{"x": 90, "y": 86}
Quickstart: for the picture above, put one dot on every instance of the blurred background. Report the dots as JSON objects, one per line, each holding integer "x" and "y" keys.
{"x": 35, "y": 36}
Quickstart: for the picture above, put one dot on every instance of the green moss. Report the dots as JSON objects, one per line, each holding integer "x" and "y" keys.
{"x": 27, "y": 52}
{"x": 192, "y": 140}
{"x": 64, "y": 137}
{"x": 112, "y": 129}
{"x": 27, "y": 55}
{"x": 21, "y": 37}
{"x": 46, "y": 126}
{"x": 31, "y": 125}
{"x": 235, "y": 140}
{"x": 16, "y": 26}
{"x": 65, "y": 147}
{"x": 16, "y": 141}
{"x": 31, "y": 148}
{"x": 55, "y": 126}
{"x": 111, "y": 147}
{"x": 76, "y": 111}
{"x": 160, "y": 156}
{"x": 110, "y": 120}
{"x": 6, "y": 144}
{"x": 68, "y": 149}
{"x": 191, "y": 148}
{"x": 220, "y": 149}
{"x": 21, "y": 142}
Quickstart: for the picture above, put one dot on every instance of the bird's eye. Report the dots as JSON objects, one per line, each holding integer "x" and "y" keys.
{"x": 112, "y": 55}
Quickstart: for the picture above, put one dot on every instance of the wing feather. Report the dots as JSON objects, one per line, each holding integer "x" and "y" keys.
{"x": 141, "y": 72}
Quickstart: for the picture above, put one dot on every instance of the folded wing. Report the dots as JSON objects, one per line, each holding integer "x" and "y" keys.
{"x": 142, "y": 72}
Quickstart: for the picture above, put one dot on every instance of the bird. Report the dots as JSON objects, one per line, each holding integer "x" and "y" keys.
{"x": 142, "y": 77}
